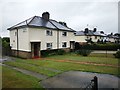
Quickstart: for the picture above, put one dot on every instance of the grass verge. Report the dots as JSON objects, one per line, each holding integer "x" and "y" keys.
{"x": 14, "y": 79}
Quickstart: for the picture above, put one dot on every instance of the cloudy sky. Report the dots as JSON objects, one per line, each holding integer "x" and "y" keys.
{"x": 76, "y": 13}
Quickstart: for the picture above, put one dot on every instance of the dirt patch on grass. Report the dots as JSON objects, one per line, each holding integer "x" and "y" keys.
{"x": 81, "y": 62}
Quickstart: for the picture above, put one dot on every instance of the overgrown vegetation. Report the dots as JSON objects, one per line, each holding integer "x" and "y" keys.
{"x": 83, "y": 52}
{"x": 107, "y": 46}
{"x": 117, "y": 55}
{"x": 46, "y": 53}
{"x": 6, "y": 50}
{"x": 60, "y": 52}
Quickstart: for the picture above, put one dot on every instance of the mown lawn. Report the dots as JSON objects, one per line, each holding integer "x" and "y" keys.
{"x": 24, "y": 64}
{"x": 32, "y": 65}
{"x": 14, "y": 79}
{"x": 97, "y": 58}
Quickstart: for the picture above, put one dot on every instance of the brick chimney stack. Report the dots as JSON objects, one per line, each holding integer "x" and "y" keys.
{"x": 46, "y": 15}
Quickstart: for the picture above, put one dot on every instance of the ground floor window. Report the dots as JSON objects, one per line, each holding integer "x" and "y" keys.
{"x": 49, "y": 45}
{"x": 64, "y": 44}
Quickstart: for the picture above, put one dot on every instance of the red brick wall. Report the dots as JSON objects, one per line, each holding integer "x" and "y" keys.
{"x": 22, "y": 54}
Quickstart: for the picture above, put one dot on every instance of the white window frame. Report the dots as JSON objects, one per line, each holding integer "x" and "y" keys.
{"x": 49, "y": 33}
{"x": 63, "y": 33}
{"x": 49, "y": 46}
{"x": 63, "y": 43}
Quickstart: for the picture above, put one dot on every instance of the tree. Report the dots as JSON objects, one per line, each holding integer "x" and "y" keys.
{"x": 6, "y": 46}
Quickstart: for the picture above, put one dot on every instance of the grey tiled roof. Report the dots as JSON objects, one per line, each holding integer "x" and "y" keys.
{"x": 37, "y": 21}
{"x": 79, "y": 33}
{"x": 90, "y": 33}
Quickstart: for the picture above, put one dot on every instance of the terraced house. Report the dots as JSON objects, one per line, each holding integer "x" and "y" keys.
{"x": 30, "y": 37}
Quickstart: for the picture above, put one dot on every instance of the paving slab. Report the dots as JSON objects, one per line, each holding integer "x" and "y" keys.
{"x": 6, "y": 58}
{"x": 77, "y": 79}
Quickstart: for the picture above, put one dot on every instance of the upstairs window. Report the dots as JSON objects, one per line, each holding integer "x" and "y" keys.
{"x": 49, "y": 45}
{"x": 95, "y": 37}
{"x": 64, "y": 44}
{"x": 64, "y": 33}
{"x": 48, "y": 32}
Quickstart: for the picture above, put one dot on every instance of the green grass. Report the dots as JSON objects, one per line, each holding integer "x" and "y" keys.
{"x": 14, "y": 79}
{"x": 108, "y": 55}
{"x": 30, "y": 67}
{"x": 99, "y": 60}
{"x": 0, "y": 76}
{"x": 63, "y": 66}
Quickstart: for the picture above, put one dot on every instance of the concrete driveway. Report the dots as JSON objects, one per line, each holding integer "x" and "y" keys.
{"x": 77, "y": 79}
{"x": 6, "y": 58}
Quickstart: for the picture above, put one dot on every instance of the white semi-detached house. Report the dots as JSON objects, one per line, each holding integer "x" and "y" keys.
{"x": 30, "y": 37}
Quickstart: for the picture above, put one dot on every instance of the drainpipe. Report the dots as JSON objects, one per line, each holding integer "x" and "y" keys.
{"x": 57, "y": 35}
{"x": 58, "y": 39}
{"x": 17, "y": 44}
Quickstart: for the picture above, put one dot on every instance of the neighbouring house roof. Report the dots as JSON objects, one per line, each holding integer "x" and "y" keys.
{"x": 38, "y": 21}
{"x": 79, "y": 33}
{"x": 89, "y": 33}
{"x": 82, "y": 33}
{"x": 100, "y": 34}
{"x": 113, "y": 36}
{"x": 96, "y": 33}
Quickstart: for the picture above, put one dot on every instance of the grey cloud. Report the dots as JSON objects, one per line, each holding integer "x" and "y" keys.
{"x": 76, "y": 14}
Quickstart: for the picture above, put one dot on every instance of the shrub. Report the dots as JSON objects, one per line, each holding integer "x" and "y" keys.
{"x": 117, "y": 55}
{"x": 45, "y": 53}
{"x": 60, "y": 52}
{"x": 108, "y": 46}
{"x": 83, "y": 52}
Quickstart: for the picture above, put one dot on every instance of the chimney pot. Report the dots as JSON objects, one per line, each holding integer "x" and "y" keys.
{"x": 86, "y": 30}
{"x": 95, "y": 29}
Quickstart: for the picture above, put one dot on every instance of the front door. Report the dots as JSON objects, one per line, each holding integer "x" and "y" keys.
{"x": 35, "y": 49}
{"x": 72, "y": 45}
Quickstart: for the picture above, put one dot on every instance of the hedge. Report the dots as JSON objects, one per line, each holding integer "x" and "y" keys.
{"x": 50, "y": 52}
{"x": 109, "y": 46}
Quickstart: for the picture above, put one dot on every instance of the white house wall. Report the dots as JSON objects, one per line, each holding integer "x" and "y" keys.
{"x": 39, "y": 35}
{"x": 111, "y": 39}
{"x": 80, "y": 38}
{"x": 95, "y": 39}
{"x": 23, "y": 38}
{"x": 68, "y": 38}
{"x": 13, "y": 39}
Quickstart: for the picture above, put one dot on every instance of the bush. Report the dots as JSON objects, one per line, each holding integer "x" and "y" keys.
{"x": 83, "y": 52}
{"x": 108, "y": 46}
{"x": 45, "y": 53}
{"x": 60, "y": 52}
{"x": 117, "y": 55}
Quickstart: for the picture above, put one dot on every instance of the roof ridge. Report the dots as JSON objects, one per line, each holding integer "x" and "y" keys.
{"x": 21, "y": 22}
